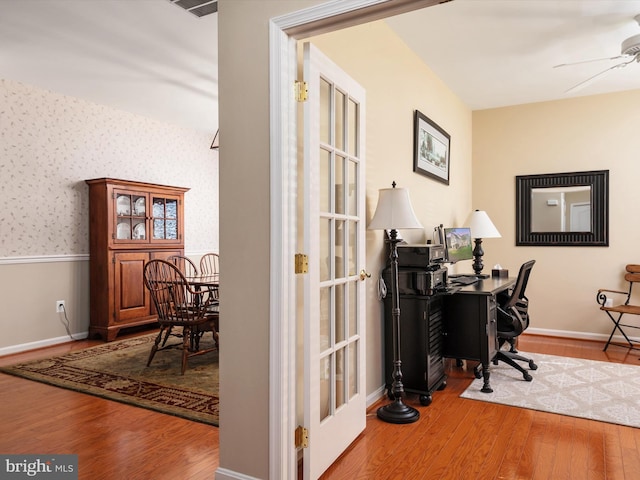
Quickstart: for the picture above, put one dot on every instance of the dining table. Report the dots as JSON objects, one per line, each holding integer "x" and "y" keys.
{"x": 208, "y": 280}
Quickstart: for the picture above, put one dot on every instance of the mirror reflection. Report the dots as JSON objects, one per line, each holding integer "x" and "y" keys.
{"x": 561, "y": 209}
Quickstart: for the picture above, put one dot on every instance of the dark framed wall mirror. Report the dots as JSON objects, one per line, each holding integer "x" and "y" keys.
{"x": 563, "y": 209}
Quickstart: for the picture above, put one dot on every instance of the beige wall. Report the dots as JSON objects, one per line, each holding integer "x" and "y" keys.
{"x": 243, "y": 89}
{"x": 586, "y": 133}
{"x": 30, "y": 290}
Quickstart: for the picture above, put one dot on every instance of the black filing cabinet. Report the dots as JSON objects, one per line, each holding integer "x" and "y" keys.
{"x": 421, "y": 344}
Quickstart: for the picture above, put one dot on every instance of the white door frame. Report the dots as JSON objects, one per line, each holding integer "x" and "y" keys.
{"x": 283, "y": 34}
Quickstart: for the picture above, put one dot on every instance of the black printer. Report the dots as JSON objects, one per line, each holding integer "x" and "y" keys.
{"x": 420, "y": 256}
{"x": 420, "y": 270}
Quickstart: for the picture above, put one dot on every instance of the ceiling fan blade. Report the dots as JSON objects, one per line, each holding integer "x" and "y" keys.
{"x": 589, "y": 61}
{"x": 590, "y": 80}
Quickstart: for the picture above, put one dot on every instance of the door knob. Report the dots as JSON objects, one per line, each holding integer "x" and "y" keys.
{"x": 364, "y": 275}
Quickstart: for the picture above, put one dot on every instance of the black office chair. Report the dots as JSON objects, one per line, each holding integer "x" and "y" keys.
{"x": 513, "y": 319}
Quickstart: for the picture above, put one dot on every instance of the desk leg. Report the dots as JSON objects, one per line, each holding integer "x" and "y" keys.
{"x": 486, "y": 387}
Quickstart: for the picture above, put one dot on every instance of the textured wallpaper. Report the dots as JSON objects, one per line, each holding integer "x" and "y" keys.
{"x": 51, "y": 143}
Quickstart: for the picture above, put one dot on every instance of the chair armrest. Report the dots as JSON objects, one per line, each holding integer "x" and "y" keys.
{"x": 601, "y": 297}
{"x": 612, "y": 291}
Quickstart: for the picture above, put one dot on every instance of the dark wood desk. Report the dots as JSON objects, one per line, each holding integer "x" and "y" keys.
{"x": 459, "y": 323}
{"x": 469, "y": 327}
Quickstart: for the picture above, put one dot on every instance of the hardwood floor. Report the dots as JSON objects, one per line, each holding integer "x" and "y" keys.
{"x": 112, "y": 440}
{"x": 464, "y": 439}
{"x": 454, "y": 438}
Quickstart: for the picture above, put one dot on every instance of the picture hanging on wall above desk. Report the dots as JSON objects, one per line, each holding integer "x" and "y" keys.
{"x": 430, "y": 149}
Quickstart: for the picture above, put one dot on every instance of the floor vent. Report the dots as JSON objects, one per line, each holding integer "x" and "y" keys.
{"x": 199, "y": 8}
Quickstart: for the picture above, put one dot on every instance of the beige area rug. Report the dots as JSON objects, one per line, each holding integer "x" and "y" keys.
{"x": 608, "y": 392}
{"x": 117, "y": 371}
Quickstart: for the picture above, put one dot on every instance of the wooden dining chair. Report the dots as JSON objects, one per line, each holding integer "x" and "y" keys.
{"x": 177, "y": 304}
{"x": 185, "y": 264}
{"x": 209, "y": 264}
{"x": 189, "y": 269}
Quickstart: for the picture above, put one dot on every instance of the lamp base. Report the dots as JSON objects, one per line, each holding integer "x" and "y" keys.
{"x": 398, "y": 412}
{"x": 477, "y": 258}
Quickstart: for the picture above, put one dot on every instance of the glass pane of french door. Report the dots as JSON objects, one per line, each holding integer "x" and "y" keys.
{"x": 338, "y": 222}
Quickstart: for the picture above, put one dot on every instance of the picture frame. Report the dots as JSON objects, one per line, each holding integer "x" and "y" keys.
{"x": 431, "y": 149}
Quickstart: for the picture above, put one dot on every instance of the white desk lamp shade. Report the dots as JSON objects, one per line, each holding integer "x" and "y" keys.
{"x": 481, "y": 225}
{"x": 394, "y": 211}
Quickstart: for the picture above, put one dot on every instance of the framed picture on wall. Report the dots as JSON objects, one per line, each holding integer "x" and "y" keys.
{"x": 431, "y": 149}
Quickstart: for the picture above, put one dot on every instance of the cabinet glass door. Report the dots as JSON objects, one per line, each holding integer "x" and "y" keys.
{"x": 165, "y": 218}
{"x": 130, "y": 216}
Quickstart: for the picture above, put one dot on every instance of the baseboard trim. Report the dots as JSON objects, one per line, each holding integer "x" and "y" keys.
{"x": 376, "y": 395}
{"x": 226, "y": 474}
{"x": 41, "y": 343}
{"x": 599, "y": 337}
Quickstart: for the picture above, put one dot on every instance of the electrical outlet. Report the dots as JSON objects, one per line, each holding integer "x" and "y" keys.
{"x": 59, "y": 306}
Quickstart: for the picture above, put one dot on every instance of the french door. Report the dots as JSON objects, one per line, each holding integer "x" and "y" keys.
{"x": 334, "y": 238}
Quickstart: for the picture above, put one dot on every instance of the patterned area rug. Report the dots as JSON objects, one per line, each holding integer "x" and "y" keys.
{"x": 117, "y": 371}
{"x": 608, "y": 392}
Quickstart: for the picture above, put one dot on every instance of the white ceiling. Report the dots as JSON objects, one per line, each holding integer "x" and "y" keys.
{"x": 155, "y": 59}
{"x": 148, "y": 57}
{"x": 494, "y": 53}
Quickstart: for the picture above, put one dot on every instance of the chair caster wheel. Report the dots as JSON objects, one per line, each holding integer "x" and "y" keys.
{"x": 527, "y": 377}
{"x": 532, "y": 365}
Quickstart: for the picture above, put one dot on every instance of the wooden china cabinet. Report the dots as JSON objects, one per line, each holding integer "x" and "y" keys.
{"x": 130, "y": 223}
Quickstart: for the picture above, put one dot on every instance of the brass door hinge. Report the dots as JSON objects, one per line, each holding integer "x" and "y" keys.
{"x": 301, "y": 90}
{"x": 302, "y": 437}
{"x": 301, "y": 263}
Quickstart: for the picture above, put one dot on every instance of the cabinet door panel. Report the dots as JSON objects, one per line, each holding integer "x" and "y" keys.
{"x": 131, "y": 216}
{"x": 166, "y": 219}
{"x": 413, "y": 343}
{"x": 131, "y": 296}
